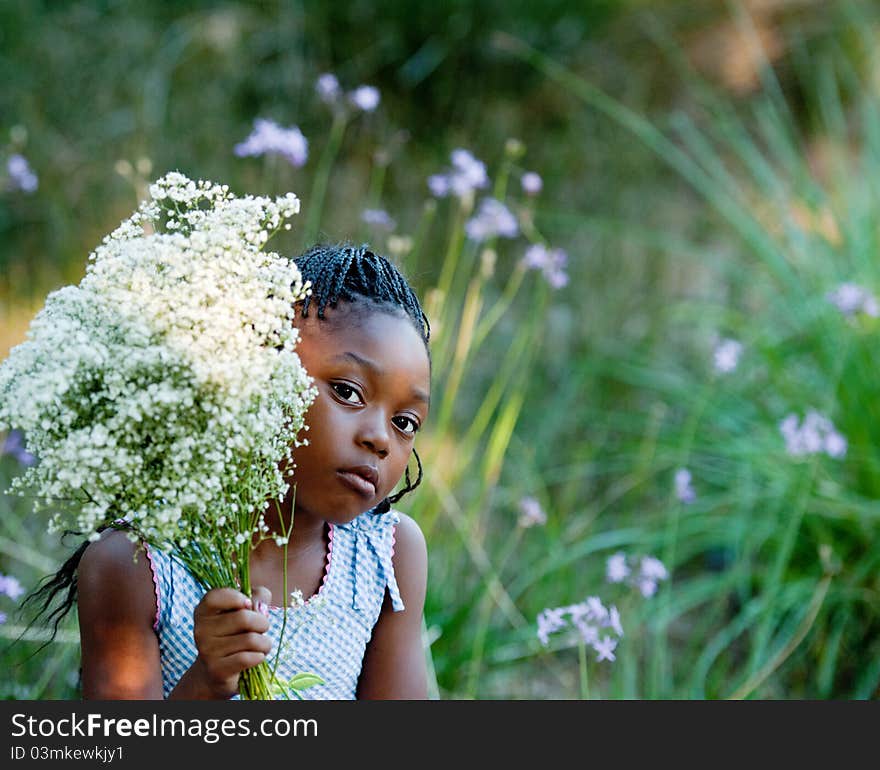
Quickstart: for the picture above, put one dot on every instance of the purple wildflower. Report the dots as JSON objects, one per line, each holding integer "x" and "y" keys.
{"x": 850, "y": 298}
{"x": 14, "y": 445}
{"x": 365, "y": 98}
{"x": 20, "y": 174}
{"x": 379, "y": 218}
{"x": 270, "y": 138}
{"x": 551, "y": 262}
{"x": 10, "y": 586}
{"x": 327, "y": 88}
{"x": 550, "y": 620}
{"x": 531, "y": 183}
{"x": 605, "y": 648}
{"x": 466, "y": 175}
{"x": 815, "y": 434}
{"x": 613, "y": 620}
{"x": 2, "y": 618}
{"x": 531, "y": 513}
{"x": 493, "y": 219}
{"x": 439, "y": 185}
{"x": 651, "y": 571}
{"x": 616, "y": 569}
{"x": 726, "y": 355}
{"x": 684, "y": 491}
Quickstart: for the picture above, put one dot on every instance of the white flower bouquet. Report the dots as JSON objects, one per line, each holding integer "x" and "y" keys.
{"x": 165, "y": 389}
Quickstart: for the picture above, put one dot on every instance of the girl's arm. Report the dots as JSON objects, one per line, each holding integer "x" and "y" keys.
{"x": 117, "y": 606}
{"x": 120, "y": 649}
{"x": 394, "y": 662}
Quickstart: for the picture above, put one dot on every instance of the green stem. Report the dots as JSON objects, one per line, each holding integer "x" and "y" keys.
{"x": 322, "y": 177}
{"x": 582, "y": 665}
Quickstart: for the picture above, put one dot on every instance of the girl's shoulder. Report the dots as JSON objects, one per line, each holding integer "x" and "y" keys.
{"x": 116, "y": 570}
{"x": 410, "y": 556}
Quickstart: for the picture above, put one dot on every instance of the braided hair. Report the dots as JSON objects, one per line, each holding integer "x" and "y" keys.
{"x": 363, "y": 279}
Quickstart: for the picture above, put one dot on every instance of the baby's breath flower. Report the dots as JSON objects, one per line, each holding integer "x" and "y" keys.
{"x": 165, "y": 388}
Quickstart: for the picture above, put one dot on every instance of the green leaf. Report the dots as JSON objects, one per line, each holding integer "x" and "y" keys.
{"x": 304, "y": 680}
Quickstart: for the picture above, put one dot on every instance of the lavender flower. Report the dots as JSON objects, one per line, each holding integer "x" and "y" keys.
{"x": 650, "y": 572}
{"x": 616, "y": 569}
{"x": 551, "y": 262}
{"x": 327, "y": 88}
{"x": 439, "y": 185}
{"x": 10, "y": 587}
{"x": 850, "y": 298}
{"x": 20, "y": 174}
{"x": 14, "y": 446}
{"x": 493, "y": 219}
{"x": 270, "y": 138}
{"x": 531, "y": 183}
{"x": 815, "y": 434}
{"x": 550, "y": 621}
{"x": 725, "y": 356}
{"x": 379, "y": 218}
{"x": 365, "y": 98}
{"x": 605, "y": 649}
{"x": 586, "y": 618}
{"x": 531, "y": 513}
{"x": 2, "y": 618}
{"x": 466, "y": 175}
{"x": 614, "y": 620}
{"x": 684, "y": 491}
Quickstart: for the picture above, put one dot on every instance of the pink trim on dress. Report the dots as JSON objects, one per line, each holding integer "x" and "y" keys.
{"x": 326, "y": 569}
{"x": 329, "y": 558}
{"x": 393, "y": 539}
{"x": 155, "y": 587}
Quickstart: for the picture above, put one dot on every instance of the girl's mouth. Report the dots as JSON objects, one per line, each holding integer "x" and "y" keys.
{"x": 357, "y": 483}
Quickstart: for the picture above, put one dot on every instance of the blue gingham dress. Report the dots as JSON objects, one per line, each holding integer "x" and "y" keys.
{"x": 326, "y": 636}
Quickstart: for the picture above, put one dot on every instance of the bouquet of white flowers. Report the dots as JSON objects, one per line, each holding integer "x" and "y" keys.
{"x": 165, "y": 389}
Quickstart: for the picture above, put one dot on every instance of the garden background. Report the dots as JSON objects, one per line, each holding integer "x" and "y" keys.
{"x": 653, "y": 362}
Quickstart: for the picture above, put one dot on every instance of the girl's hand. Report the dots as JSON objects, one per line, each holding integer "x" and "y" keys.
{"x": 229, "y": 631}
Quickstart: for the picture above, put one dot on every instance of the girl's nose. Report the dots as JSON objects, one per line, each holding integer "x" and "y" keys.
{"x": 373, "y": 434}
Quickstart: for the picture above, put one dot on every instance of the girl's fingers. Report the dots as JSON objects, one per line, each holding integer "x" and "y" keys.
{"x": 239, "y": 661}
{"x": 262, "y": 598}
{"x": 231, "y": 623}
{"x": 225, "y": 646}
{"x": 223, "y": 600}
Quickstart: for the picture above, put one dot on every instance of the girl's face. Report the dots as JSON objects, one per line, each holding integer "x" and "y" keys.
{"x": 373, "y": 379}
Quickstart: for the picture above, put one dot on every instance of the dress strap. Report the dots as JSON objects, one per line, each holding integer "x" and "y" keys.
{"x": 373, "y": 547}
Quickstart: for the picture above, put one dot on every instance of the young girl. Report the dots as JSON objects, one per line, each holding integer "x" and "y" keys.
{"x": 148, "y": 630}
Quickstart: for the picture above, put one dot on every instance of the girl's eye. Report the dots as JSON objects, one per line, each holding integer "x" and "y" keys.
{"x": 346, "y": 392}
{"x": 407, "y": 424}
